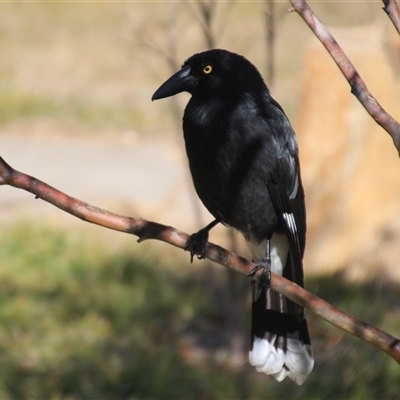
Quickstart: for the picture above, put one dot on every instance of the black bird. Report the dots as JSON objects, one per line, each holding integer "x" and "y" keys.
{"x": 243, "y": 157}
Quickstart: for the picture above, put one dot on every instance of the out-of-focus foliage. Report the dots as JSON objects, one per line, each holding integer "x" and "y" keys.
{"x": 77, "y": 321}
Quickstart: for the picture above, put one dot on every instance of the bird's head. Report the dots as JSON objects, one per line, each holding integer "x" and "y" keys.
{"x": 210, "y": 72}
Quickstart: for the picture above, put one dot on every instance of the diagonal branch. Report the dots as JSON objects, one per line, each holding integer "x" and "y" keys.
{"x": 393, "y": 11}
{"x": 358, "y": 86}
{"x": 152, "y": 230}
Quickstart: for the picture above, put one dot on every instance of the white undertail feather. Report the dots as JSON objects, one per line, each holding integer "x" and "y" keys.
{"x": 292, "y": 358}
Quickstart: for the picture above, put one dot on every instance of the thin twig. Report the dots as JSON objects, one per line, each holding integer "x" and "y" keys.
{"x": 152, "y": 230}
{"x": 393, "y": 11}
{"x": 358, "y": 86}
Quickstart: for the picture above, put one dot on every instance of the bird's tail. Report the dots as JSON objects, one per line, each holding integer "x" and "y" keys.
{"x": 280, "y": 342}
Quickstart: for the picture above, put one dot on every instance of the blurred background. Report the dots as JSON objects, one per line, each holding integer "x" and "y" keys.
{"x": 89, "y": 313}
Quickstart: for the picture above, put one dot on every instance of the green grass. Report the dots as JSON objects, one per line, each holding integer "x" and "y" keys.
{"x": 77, "y": 321}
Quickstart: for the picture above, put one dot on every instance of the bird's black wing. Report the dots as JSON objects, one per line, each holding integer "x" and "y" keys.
{"x": 286, "y": 192}
{"x": 287, "y": 196}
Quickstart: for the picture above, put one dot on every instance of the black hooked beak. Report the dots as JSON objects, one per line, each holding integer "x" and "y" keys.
{"x": 179, "y": 82}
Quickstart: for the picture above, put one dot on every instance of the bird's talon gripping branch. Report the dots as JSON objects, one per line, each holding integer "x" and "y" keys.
{"x": 265, "y": 278}
{"x": 196, "y": 244}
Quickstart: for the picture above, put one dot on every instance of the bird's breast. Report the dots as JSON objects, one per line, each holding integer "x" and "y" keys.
{"x": 229, "y": 168}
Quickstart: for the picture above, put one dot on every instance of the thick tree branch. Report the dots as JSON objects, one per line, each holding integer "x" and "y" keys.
{"x": 393, "y": 11}
{"x": 151, "y": 230}
{"x": 358, "y": 86}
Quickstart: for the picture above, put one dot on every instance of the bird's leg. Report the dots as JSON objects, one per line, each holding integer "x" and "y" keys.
{"x": 196, "y": 243}
{"x": 265, "y": 265}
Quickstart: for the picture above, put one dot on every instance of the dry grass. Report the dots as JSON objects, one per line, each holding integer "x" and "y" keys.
{"x": 95, "y": 63}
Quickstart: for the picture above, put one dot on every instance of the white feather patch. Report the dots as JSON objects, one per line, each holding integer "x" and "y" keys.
{"x": 274, "y": 363}
{"x": 290, "y": 222}
{"x": 281, "y": 375}
{"x": 297, "y": 377}
{"x": 261, "y": 351}
{"x": 298, "y": 359}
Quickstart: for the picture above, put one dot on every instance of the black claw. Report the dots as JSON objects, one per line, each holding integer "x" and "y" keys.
{"x": 196, "y": 244}
{"x": 265, "y": 278}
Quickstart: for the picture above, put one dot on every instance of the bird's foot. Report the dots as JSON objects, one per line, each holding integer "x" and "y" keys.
{"x": 265, "y": 277}
{"x": 196, "y": 244}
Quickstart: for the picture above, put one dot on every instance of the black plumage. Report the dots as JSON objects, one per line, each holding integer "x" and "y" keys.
{"x": 243, "y": 157}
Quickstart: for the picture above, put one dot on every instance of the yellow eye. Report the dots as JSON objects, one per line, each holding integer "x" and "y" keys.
{"x": 207, "y": 69}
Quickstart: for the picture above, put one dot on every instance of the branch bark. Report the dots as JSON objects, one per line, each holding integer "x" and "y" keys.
{"x": 152, "y": 230}
{"x": 358, "y": 86}
{"x": 393, "y": 11}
